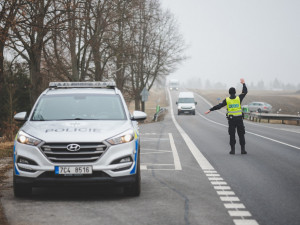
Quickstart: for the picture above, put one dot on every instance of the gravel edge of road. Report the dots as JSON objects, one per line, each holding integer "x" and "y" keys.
{"x": 7, "y": 162}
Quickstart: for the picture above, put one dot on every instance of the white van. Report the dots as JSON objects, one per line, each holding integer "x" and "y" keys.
{"x": 186, "y": 103}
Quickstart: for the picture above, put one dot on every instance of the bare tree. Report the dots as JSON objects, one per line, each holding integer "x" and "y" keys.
{"x": 8, "y": 10}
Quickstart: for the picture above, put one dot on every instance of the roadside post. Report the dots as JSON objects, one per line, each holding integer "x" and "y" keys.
{"x": 144, "y": 94}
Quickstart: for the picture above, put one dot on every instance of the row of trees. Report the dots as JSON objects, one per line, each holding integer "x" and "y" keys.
{"x": 133, "y": 42}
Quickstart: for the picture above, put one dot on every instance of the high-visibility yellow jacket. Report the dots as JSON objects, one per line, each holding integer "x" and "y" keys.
{"x": 234, "y": 106}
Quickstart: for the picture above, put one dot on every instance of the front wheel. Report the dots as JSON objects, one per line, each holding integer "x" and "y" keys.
{"x": 134, "y": 190}
{"x": 21, "y": 190}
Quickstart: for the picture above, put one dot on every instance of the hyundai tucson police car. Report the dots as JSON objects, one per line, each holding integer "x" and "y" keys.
{"x": 78, "y": 133}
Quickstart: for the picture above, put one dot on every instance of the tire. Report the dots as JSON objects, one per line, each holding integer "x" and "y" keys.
{"x": 194, "y": 113}
{"x": 178, "y": 113}
{"x": 21, "y": 190}
{"x": 259, "y": 110}
{"x": 135, "y": 189}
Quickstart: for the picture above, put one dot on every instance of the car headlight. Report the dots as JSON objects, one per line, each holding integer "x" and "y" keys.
{"x": 26, "y": 139}
{"x": 124, "y": 137}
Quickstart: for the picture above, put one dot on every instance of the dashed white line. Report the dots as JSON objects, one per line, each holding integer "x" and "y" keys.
{"x": 234, "y": 206}
{"x": 218, "y": 183}
{"x": 225, "y": 193}
{"x": 245, "y": 222}
{"x": 229, "y": 199}
{"x": 239, "y": 213}
{"x": 222, "y": 188}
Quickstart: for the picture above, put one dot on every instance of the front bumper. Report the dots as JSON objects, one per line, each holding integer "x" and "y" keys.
{"x": 48, "y": 180}
{"x": 104, "y": 170}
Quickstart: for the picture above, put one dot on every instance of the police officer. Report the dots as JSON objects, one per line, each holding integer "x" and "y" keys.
{"x": 235, "y": 116}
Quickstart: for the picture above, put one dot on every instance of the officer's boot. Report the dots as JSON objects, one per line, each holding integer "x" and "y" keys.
{"x": 243, "y": 149}
{"x": 232, "y": 152}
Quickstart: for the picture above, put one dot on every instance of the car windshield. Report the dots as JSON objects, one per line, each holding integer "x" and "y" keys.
{"x": 79, "y": 107}
{"x": 185, "y": 100}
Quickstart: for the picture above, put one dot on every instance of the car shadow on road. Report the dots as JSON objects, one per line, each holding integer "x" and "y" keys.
{"x": 77, "y": 194}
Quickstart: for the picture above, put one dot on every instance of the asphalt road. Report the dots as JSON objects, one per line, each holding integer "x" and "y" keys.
{"x": 188, "y": 177}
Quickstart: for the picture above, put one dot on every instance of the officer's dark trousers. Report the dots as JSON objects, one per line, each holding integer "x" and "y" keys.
{"x": 236, "y": 123}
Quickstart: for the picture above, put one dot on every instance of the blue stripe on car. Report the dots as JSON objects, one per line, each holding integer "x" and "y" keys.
{"x": 16, "y": 171}
{"x": 135, "y": 156}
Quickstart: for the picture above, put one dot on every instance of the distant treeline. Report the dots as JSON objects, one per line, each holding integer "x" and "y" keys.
{"x": 260, "y": 85}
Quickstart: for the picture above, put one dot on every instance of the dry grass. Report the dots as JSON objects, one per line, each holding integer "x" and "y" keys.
{"x": 157, "y": 96}
{"x": 6, "y": 149}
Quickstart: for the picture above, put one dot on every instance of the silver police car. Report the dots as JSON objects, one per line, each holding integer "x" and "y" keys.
{"x": 78, "y": 133}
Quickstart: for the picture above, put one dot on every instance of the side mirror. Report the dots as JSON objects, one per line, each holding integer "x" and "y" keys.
{"x": 176, "y": 103}
{"x": 20, "y": 116}
{"x": 139, "y": 115}
{"x": 195, "y": 103}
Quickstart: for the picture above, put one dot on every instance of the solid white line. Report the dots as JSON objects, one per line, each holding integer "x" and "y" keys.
{"x": 239, "y": 213}
{"x": 225, "y": 193}
{"x": 175, "y": 153}
{"x": 234, "y": 206}
{"x": 258, "y": 135}
{"x": 245, "y": 222}
{"x": 229, "y": 199}
{"x": 202, "y": 161}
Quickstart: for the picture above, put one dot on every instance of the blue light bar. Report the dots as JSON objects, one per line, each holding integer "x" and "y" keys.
{"x": 82, "y": 84}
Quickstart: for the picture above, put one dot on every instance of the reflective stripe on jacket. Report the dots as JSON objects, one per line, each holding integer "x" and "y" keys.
{"x": 234, "y": 106}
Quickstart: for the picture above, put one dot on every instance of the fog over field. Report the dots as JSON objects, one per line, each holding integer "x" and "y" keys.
{"x": 257, "y": 40}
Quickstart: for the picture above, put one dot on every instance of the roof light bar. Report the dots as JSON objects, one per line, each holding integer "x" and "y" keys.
{"x": 82, "y": 84}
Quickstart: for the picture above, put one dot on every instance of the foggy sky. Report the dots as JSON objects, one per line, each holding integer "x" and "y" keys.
{"x": 230, "y": 39}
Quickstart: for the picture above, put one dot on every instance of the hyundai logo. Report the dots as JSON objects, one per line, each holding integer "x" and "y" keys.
{"x": 73, "y": 147}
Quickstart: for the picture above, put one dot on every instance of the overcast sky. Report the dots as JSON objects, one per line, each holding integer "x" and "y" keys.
{"x": 229, "y": 39}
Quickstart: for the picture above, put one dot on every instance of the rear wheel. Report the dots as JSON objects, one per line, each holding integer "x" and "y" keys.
{"x": 259, "y": 110}
{"x": 21, "y": 190}
{"x": 135, "y": 189}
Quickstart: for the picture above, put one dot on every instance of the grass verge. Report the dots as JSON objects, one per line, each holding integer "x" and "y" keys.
{"x": 6, "y": 153}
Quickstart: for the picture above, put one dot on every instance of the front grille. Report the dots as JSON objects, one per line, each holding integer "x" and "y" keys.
{"x": 58, "y": 153}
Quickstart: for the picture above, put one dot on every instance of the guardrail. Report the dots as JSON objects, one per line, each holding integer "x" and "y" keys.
{"x": 159, "y": 113}
{"x": 254, "y": 116}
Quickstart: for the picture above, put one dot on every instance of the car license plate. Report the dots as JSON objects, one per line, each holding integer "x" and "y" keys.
{"x": 73, "y": 170}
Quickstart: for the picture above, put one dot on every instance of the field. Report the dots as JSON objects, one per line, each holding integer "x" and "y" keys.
{"x": 287, "y": 101}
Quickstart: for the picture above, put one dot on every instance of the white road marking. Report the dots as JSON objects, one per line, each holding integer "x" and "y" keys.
{"x": 212, "y": 175}
{"x": 258, "y": 135}
{"x": 234, "y": 206}
{"x": 225, "y": 193}
{"x": 245, "y": 222}
{"x": 239, "y": 213}
{"x": 222, "y": 188}
{"x": 218, "y": 183}
{"x": 208, "y": 169}
{"x": 151, "y": 139}
{"x": 229, "y": 199}
{"x": 215, "y": 178}
{"x": 175, "y": 153}
{"x": 155, "y": 152}
{"x": 143, "y": 167}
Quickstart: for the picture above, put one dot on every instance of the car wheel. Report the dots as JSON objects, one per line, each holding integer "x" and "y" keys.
{"x": 21, "y": 190}
{"x": 178, "y": 113}
{"x": 194, "y": 113}
{"x": 135, "y": 189}
{"x": 259, "y": 110}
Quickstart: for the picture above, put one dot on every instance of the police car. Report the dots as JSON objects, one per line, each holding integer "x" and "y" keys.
{"x": 78, "y": 133}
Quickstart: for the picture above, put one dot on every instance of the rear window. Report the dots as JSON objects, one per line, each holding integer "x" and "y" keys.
{"x": 79, "y": 107}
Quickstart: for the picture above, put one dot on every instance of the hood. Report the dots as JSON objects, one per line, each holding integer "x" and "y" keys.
{"x": 75, "y": 131}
